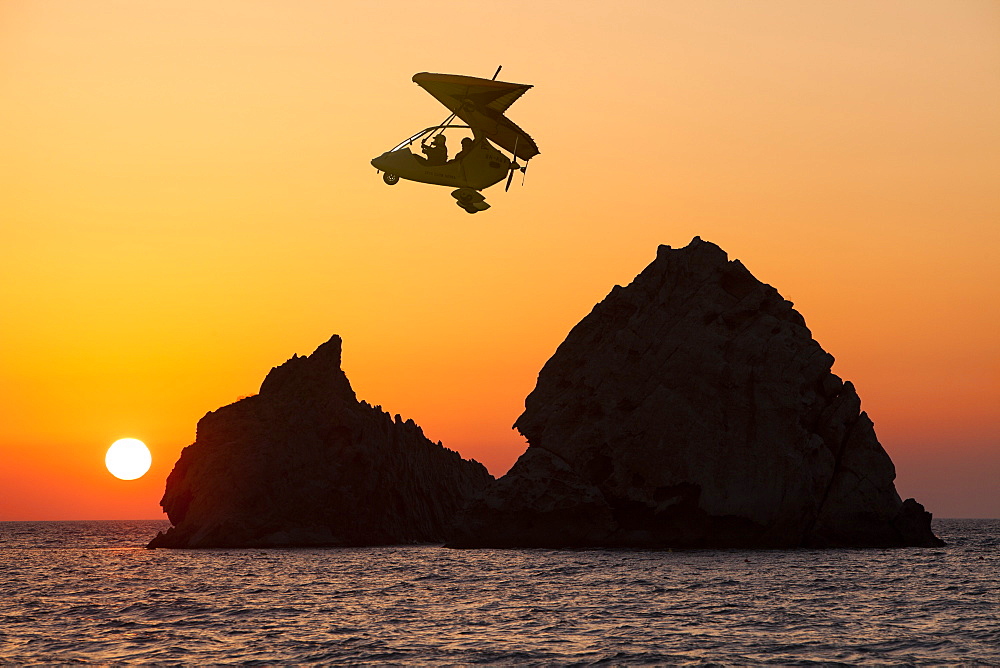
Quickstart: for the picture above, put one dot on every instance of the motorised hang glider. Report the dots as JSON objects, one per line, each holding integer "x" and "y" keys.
{"x": 481, "y": 104}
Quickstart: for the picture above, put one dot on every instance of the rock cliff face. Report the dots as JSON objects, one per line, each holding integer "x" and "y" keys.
{"x": 305, "y": 463}
{"x": 694, "y": 409}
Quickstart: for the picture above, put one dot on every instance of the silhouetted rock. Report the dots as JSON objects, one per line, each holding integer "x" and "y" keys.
{"x": 305, "y": 463}
{"x": 693, "y": 409}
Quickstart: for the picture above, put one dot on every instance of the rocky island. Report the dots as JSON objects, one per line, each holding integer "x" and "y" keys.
{"x": 692, "y": 409}
{"x": 303, "y": 462}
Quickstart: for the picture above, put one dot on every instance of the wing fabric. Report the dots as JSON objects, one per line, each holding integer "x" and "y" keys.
{"x": 481, "y": 103}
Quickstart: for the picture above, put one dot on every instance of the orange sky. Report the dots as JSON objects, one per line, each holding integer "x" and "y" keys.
{"x": 186, "y": 201}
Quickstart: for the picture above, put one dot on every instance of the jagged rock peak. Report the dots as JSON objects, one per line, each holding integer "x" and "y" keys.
{"x": 305, "y": 463}
{"x": 692, "y": 408}
{"x": 317, "y": 372}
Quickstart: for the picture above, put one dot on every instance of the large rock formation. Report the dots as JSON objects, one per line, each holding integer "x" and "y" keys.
{"x": 305, "y": 463}
{"x": 694, "y": 409}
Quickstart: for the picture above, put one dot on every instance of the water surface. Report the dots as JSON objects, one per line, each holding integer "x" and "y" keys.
{"x": 89, "y": 591}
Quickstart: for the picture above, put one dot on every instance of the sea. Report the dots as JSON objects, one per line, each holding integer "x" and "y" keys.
{"x": 89, "y": 592}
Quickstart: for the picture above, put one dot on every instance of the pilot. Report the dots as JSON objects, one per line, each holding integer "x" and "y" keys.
{"x": 437, "y": 152}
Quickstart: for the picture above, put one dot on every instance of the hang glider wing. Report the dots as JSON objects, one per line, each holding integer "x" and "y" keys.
{"x": 481, "y": 103}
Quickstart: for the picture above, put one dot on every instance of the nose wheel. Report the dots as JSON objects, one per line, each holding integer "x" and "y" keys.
{"x": 390, "y": 179}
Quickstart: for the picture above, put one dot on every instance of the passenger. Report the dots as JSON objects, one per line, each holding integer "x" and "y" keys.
{"x": 437, "y": 152}
{"x": 467, "y": 143}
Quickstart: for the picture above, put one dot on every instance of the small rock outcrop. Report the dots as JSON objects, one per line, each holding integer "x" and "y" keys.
{"x": 693, "y": 408}
{"x": 305, "y": 463}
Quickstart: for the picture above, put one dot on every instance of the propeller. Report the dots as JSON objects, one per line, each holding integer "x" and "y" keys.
{"x": 513, "y": 165}
{"x": 510, "y": 177}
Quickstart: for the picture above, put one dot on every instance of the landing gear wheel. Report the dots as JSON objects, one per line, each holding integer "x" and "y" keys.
{"x": 390, "y": 179}
{"x": 470, "y": 200}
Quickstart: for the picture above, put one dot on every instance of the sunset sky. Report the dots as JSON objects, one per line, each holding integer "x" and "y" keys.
{"x": 186, "y": 201}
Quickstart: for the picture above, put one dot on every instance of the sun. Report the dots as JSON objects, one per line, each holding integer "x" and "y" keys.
{"x": 128, "y": 459}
